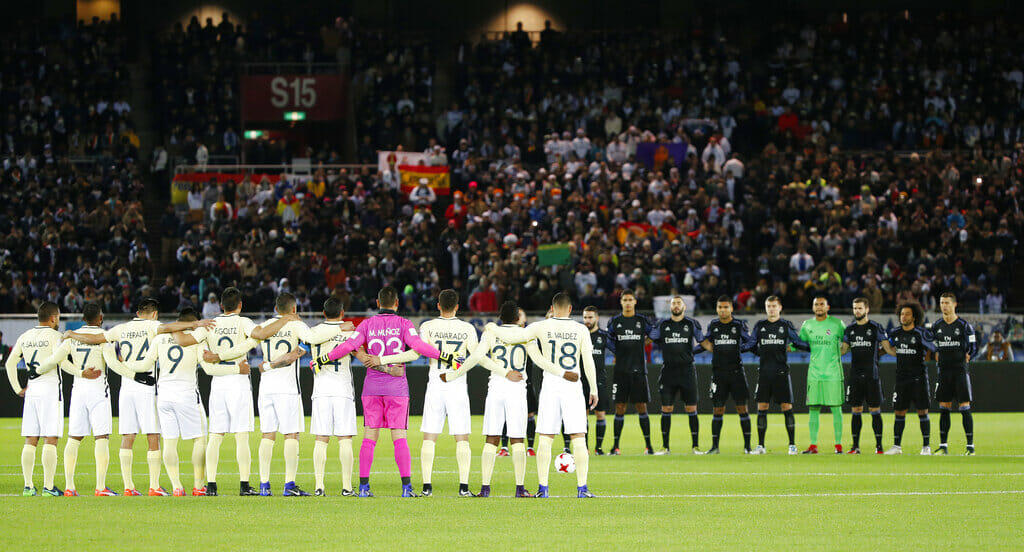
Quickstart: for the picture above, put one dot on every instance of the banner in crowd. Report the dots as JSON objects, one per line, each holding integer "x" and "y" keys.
{"x": 661, "y": 156}
{"x": 182, "y": 183}
{"x": 437, "y": 177}
{"x": 392, "y": 160}
{"x": 552, "y": 254}
{"x": 643, "y": 230}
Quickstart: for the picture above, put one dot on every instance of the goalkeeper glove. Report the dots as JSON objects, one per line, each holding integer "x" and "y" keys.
{"x": 319, "y": 362}
{"x": 451, "y": 360}
{"x": 145, "y": 378}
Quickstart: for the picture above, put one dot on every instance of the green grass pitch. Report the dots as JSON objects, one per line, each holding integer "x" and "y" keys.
{"x": 680, "y": 501}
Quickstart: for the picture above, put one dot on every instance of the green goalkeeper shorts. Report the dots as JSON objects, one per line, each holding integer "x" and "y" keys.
{"x": 825, "y": 393}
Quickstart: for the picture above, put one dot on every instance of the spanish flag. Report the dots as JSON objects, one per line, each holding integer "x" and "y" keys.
{"x": 438, "y": 176}
{"x": 642, "y": 230}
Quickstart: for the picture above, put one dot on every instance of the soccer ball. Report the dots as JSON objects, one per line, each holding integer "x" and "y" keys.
{"x": 565, "y": 463}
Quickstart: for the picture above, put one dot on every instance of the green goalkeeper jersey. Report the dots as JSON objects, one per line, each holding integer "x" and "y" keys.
{"x": 825, "y": 338}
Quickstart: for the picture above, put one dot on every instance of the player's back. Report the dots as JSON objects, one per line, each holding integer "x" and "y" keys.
{"x": 507, "y": 356}
{"x": 230, "y": 330}
{"x": 284, "y": 380}
{"x": 563, "y": 341}
{"x": 385, "y": 334}
{"x": 449, "y": 335}
{"x": 37, "y": 345}
{"x": 133, "y": 339}
{"x": 178, "y": 365}
{"x": 335, "y": 379}
{"x": 83, "y": 356}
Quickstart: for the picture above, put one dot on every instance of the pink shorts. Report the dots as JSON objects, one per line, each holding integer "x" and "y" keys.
{"x": 385, "y": 411}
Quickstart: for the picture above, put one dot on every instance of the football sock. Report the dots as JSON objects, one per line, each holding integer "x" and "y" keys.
{"x": 70, "y": 460}
{"x": 127, "y": 457}
{"x": 694, "y": 427}
{"x": 518, "y": 462}
{"x": 968, "y": 419}
{"x": 346, "y": 458}
{"x": 876, "y": 426}
{"x": 213, "y": 455}
{"x": 427, "y": 460}
{"x": 565, "y": 441}
{"x": 897, "y": 429}
{"x": 790, "y": 426}
{"x": 716, "y": 430}
{"x": 487, "y": 457}
{"x": 291, "y": 459}
{"x": 645, "y": 428}
{"x": 926, "y": 428}
{"x": 762, "y": 426}
{"x": 837, "y": 424}
{"x": 855, "y": 426}
{"x": 617, "y": 428}
{"x": 28, "y": 463}
{"x": 666, "y": 428}
{"x": 171, "y": 462}
{"x": 745, "y": 426}
{"x": 266, "y": 455}
{"x": 813, "y": 422}
{"x": 531, "y": 429}
{"x": 49, "y": 458}
{"x": 366, "y": 459}
{"x": 102, "y": 454}
{"x": 319, "y": 463}
{"x": 599, "y": 437}
{"x": 543, "y": 459}
{"x": 944, "y": 423}
{"x": 198, "y": 462}
{"x": 464, "y": 458}
{"x": 153, "y": 459}
{"x": 403, "y": 459}
{"x": 582, "y": 457}
{"x": 504, "y": 436}
{"x": 243, "y": 455}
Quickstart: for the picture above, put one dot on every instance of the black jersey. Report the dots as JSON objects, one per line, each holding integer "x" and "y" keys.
{"x": 911, "y": 347}
{"x": 626, "y": 336}
{"x": 599, "y": 340}
{"x": 677, "y": 340}
{"x": 864, "y": 340}
{"x": 729, "y": 340}
{"x": 771, "y": 341}
{"x": 953, "y": 342}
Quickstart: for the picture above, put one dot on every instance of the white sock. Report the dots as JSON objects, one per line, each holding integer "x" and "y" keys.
{"x": 543, "y": 458}
{"x": 427, "y": 460}
{"x": 171, "y": 463}
{"x": 291, "y": 459}
{"x": 243, "y": 455}
{"x": 70, "y": 461}
{"x": 49, "y": 458}
{"x": 102, "y": 453}
{"x": 126, "y": 457}
{"x": 464, "y": 458}
{"x": 266, "y": 454}
{"x": 213, "y": 456}
{"x": 28, "y": 463}
{"x": 487, "y": 463}
{"x": 582, "y": 457}
{"x": 319, "y": 462}
{"x": 519, "y": 462}
{"x": 347, "y": 460}
{"x": 153, "y": 459}
{"x": 199, "y": 463}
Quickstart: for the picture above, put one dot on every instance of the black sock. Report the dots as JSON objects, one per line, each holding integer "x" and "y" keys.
{"x": 504, "y": 436}
{"x": 694, "y": 428}
{"x": 745, "y": 426}
{"x": 666, "y": 428}
{"x": 531, "y": 430}
{"x": 897, "y": 430}
{"x": 565, "y": 439}
{"x": 790, "y": 426}
{"x": 968, "y": 419}
{"x": 617, "y": 428}
{"x": 364, "y": 480}
{"x": 645, "y": 428}
{"x": 762, "y": 426}
{"x": 876, "y": 426}
{"x": 944, "y": 423}
{"x": 926, "y": 428}
{"x": 716, "y": 430}
{"x": 601, "y": 425}
{"x": 406, "y": 481}
{"x": 855, "y": 425}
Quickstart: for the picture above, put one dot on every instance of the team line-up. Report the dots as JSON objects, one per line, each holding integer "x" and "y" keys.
{"x": 159, "y": 394}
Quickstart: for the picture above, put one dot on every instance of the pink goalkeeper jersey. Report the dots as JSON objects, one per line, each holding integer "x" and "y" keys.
{"x": 385, "y": 334}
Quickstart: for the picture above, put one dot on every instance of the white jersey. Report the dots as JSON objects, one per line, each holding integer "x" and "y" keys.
{"x": 133, "y": 339}
{"x": 230, "y": 330}
{"x": 449, "y": 335}
{"x": 566, "y": 344}
{"x": 506, "y": 356}
{"x": 34, "y": 347}
{"x": 77, "y": 356}
{"x": 178, "y": 366}
{"x": 335, "y": 379}
{"x": 283, "y": 380}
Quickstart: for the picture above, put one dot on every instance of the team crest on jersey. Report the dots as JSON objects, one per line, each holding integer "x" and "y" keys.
{"x": 913, "y": 340}
{"x": 733, "y": 330}
{"x": 763, "y": 330}
{"x": 957, "y": 331}
{"x": 828, "y": 332}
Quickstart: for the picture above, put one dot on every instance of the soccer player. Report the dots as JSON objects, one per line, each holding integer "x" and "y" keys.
{"x": 627, "y": 333}
{"x": 772, "y": 338}
{"x": 179, "y": 408}
{"x": 862, "y": 339}
{"x": 824, "y": 334}
{"x": 912, "y": 343}
{"x": 727, "y": 338}
{"x": 956, "y": 344}
{"x": 43, "y": 413}
{"x": 679, "y": 337}
{"x": 231, "y": 408}
{"x": 137, "y": 409}
{"x": 599, "y": 341}
{"x": 506, "y": 404}
{"x": 385, "y": 393}
{"x": 565, "y": 347}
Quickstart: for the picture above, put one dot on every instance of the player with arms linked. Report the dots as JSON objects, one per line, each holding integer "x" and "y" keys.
{"x": 772, "y": 338}
{"x": 679, "y": 338}
{"x": 727, "y": 338}
{"x": 956, "y": 344}
{"x": 862, "y": 339}
{"x": 912, "y": 343}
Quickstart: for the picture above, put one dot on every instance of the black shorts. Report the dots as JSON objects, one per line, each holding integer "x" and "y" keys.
{"x": 630, "y": 387}
{"x": 953, "y": 384}
{"x": 603, "y": 395}
{"x": 773, "y": 387}
{"x": 909, "y": 392}
{"x": 729, "y": 384}
{"x": 683, "y": 385}
{"x": 861, "y": 390}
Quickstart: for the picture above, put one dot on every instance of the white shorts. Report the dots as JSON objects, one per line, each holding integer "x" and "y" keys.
{"x": 506, "y": 406}
{"x": 90, "y": 414}
{"x": 136, "y": 413}
{"x": 181, "y": 419}
{"x": 282, "y": 414}
{"x": 231, "y": 410}
{"x": 333, "y": 416}
{"x": 43, "y": 416}
{"x": 556, "y": 407}
{"x": 446, "y": 401}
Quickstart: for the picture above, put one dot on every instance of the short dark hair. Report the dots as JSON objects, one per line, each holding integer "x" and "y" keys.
{"x": 773, "y": 299}
{"x": 590, "y": 308}
{"x": 948, "y": 295}
{"x": 821, "y": 296}
{"x": 915, "y": 309}
{"x": 230, "y": 299}
{"x": 148, "y": 305}
{"x": 333, "y": 307}
{"x": 188, "y": 314}
{"x": 448, "y": 299}
{"x": 561, "y": 300}
{"x": 626, "y": 292}
{"x": 387, "y": 297}
{"x": 92, "y": 313}
{"x": 861, "y": 299}
{"x": 724, "y": 299}
{"x": 285, "y": 302}
{"x": 509, "y": 312}
{"x": 47, "y": 310}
